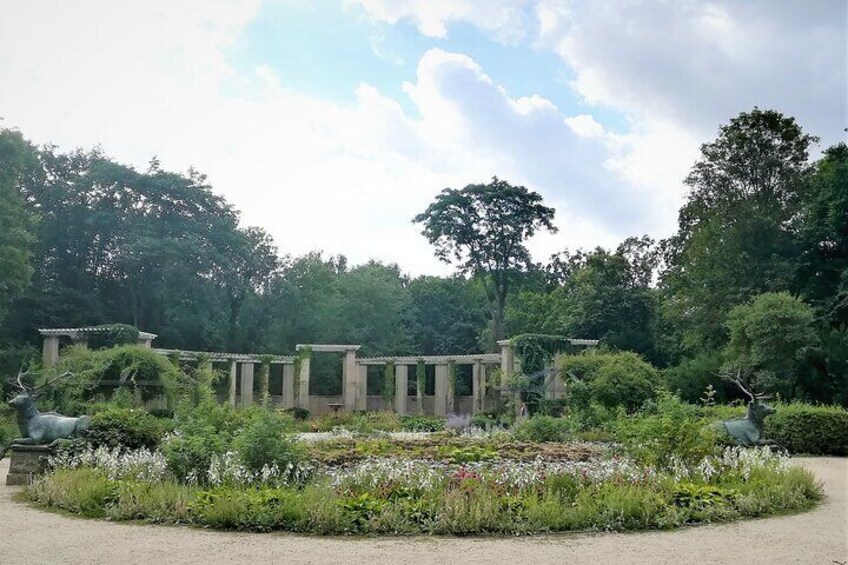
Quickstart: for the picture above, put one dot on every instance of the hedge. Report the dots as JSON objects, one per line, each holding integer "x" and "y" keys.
{"x": 801, "y": 428}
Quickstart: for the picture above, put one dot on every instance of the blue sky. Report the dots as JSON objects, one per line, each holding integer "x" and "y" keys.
{"x": 331, "y": 124}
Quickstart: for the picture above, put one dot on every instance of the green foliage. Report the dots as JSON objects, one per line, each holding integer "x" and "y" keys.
{"x": 265, "y": 442}
{"x": 693, "y": 375}
{"x": 543, "y": 429}
{"x": 811, "y": 430}
{"x": 611, "y": 379}
{"x": 771, "y": 336}
{"x": 18, "y": 162}
{"x": 535, "y": 351}
{"x": 299, "y": 414}
{"x": 735, "y": 236}
{"x": 422, "y": 423}
{"x": 84, "y": 491}
{"x": 482, "y": 228}
{"x": 98, "y": 374}
{"x": 463, "y": 505}
{"x": 189, "y": 453}
{"x": 673, "y": 430}
{"x": 125, "y": 429}
{"x": 111, "y": 335}
{"x": 389, "y": 385}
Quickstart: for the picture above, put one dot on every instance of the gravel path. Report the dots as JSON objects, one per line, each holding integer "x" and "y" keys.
{"x": 31, "y": 536}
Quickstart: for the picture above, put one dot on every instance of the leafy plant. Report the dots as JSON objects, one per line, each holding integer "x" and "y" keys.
{"x": 124, "y": 428}
{"x": 265, "y": 442}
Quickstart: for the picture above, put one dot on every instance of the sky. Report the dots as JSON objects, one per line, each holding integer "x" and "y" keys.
{"x": 332, "y": 123}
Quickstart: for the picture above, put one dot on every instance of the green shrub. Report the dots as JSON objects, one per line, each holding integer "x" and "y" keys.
{"x": 265, "y": 442}
{"x": 189, "y": 452}
{"x": 97, "y": 375}
{"x": 673, "y": 431}
{"x": 610, "y": 379}
{"x": 813, "y": 430}
{"x": 124, "y": 428}
{"x": 299, "y": 414}
{"x": 543, "y": 429}
{"x": 421, "y": 424}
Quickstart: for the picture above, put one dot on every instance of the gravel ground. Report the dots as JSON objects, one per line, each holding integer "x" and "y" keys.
{"x": 30, "y": 536}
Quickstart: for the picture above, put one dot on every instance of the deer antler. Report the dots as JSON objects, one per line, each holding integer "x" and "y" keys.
{"x": 22, "y": 374}
{"x": 737, "y": 380}
{"x": 48, "y": 383}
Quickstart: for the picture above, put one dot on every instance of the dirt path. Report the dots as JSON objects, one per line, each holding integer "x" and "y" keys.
{"x": 31, "y": 536}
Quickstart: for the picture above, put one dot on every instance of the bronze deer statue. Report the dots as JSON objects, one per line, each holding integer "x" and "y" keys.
{"x": 747, "y": 430}
{"x": 41, "y": 428}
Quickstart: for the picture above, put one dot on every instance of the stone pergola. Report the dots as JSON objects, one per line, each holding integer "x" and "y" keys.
{"x": 52, "y": 336}
{"x": 354, "y": 371}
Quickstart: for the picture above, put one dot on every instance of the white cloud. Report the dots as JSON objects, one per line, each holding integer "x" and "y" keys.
{"x": 153, "y": 78}
{"x": 504, "y": 19}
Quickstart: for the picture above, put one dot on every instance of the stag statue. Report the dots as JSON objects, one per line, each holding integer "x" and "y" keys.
{"x": 747, "y": 430}
{"x": 41, "y": 428}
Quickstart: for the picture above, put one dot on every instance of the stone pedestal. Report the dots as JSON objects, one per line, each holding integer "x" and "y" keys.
{"x": 25, "y": 462}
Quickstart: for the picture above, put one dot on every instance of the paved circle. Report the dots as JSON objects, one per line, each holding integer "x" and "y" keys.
{"x": 28, "y": 535}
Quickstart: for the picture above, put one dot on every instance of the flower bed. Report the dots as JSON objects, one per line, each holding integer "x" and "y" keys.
{"x": 443, "y": 495}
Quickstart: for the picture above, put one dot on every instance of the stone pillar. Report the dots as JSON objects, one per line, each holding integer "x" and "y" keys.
{"x": 362, "y": 388}
{"x": 232, "y": 382}
{"x": 303, "y": 392}
{"x": 144, "y": 342}
{"x": 288, "y": 386}
{"x": 350, "y": 377}
{"x": 440, "y": 399}
{"x": 478, "y": 386}
{"x": 401, "y": 386}
{"x": 246, "y": 384}
{"x": 50, "y": 350}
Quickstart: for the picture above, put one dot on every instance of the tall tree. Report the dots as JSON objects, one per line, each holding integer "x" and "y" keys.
{"x": 483, "y": 228}
{"x": 736, "y": 236}
{"x": 824, "y": 232}
{"x": 17, "y": 161}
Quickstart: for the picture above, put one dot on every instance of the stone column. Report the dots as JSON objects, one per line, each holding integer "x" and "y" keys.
{"x": 362, "y": 388}
{"x": 50, "y": 350}
{"x": 401, "y": 386}
{"x": 440, "y": 399}
{"x": 303, "y": 393}
{"x": 288, "y": 385}
{"x": 144, "y": 342}
{"x": 349, "y": 379}
{"x": 246, "y": 384}
{"x": 232, "y": 382}
{"x": 478, "y": 386}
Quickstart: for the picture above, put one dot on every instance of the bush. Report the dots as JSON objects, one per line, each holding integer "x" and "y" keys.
{"x": 542, "y": 429}
{"x": 299, "y": 414}
{"x": 813, "y": 430}
{"x": 97, "y": 375}
{"x": 421, "y": 424}
{"x": 611, "y": 379}
{"x": 189, "y": 451}
{"x": 264, "y": 443}
{"x": 674, "y": 431}
{"x": 126, "y": 429}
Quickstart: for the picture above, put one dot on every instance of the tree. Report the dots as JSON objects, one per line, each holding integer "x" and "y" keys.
{"x": 446, "y": 315}
{"x": 483, "y": 229}
{"x": 771, "y": 337}
{"x": 17, "y": 161}
{"x": 736, "y": 234}
{"x": 824, "y": 232}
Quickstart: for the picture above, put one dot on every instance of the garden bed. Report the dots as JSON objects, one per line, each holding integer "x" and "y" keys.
{"x": 581, "y": 488}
